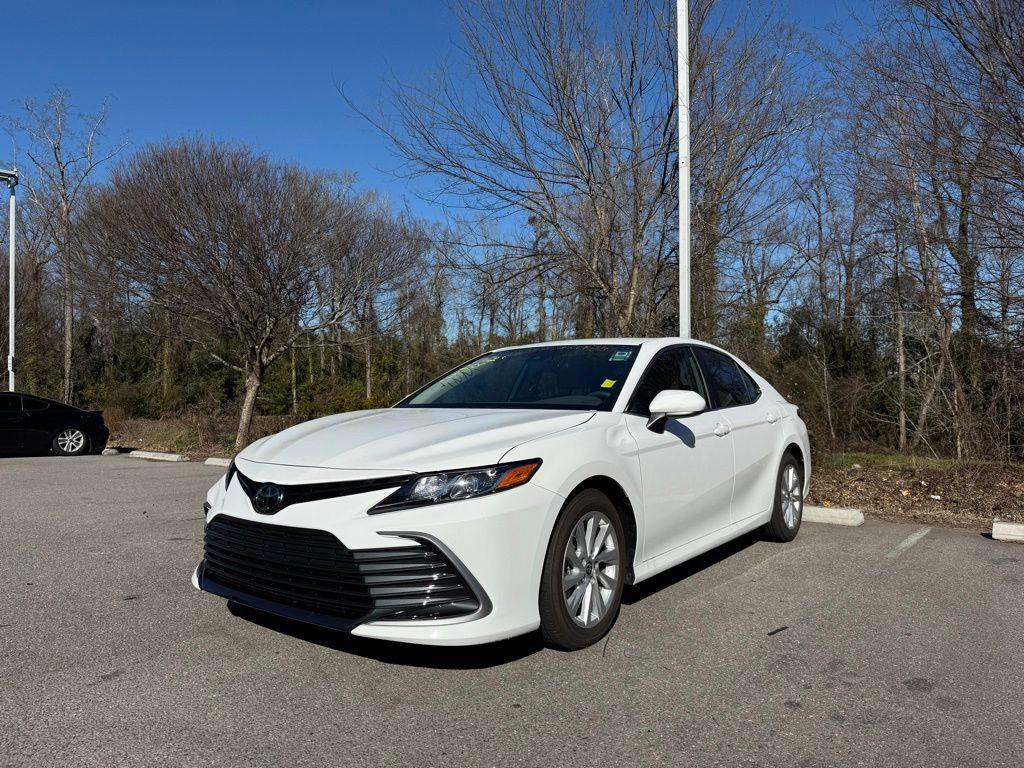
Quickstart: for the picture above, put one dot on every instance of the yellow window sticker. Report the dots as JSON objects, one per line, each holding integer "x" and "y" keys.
{"x": 608, "y": 384}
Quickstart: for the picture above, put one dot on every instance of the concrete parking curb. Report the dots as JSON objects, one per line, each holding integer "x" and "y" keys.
{"x": 833, "y": 515}
{"x": 1003, "y": 531}
{"x": 213, "y": 461}
{"x": 157, "y": 456}
{"x": 110, "y": 452}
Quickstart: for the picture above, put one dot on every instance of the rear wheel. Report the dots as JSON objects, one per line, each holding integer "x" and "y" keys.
{"x": 789, "y": 500}
{"x": 70, "y": 442}
{"x": 584, "y": 572}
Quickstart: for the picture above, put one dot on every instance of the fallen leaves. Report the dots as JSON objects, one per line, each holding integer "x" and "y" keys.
{"x": 960, "y": 495}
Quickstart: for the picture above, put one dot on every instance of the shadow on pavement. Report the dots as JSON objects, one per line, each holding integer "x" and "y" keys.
{"x": 405, "y": 654}
{"x": 683, "y": 571}
{"x": 476, "y": 656}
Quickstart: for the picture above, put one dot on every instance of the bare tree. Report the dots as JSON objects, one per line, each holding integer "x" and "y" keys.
{"x": 563, "y": 113}
{"x": 752, "y": 103}
{"x": 65, "y": 149}
{"x": 227, "y": 242}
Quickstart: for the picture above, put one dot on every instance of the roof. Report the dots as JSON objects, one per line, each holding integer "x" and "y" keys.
{"x": 662, "y": 341}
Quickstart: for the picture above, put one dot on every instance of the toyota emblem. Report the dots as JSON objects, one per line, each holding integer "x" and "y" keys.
{"x": 268, "y": 499}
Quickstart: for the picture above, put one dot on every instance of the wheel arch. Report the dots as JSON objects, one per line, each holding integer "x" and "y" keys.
{"x": 618, "y": 496}
{"x": 794, "y": 450}
{"x": 797, "y": 451}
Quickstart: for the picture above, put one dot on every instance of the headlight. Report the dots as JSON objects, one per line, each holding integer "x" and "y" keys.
{"x": 441, "y": 487}
{"x": 229, "y": 474}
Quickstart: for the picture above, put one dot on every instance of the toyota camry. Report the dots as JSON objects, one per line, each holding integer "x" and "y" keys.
{"x": 524, "y": 489}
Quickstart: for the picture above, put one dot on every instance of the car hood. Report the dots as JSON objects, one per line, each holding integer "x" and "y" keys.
{"x": 409, "y": 439}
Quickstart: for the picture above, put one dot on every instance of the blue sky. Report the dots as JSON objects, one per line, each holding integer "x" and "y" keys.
{"x": 265, "y": 73}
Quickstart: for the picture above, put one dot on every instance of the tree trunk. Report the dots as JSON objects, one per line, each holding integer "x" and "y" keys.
{"x": 369, "y": 371}
{"x": 69, "y": 319}
{"x": 901, "y": 370}
{"x": 542, "y": 314}
{"x": 165, "y": 378}
{"x": 901, "y": 347}
{"x": 295, "y": 382}
{"x": 253, "y": 382}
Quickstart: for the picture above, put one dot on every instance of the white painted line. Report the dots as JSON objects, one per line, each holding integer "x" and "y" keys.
{"x": 908, "y": 542}
{"x": 213, "y": 461}
{"x": 833, "y": 515}
{"x": 1004, "y": 531}
{"x": 157, "y": 456}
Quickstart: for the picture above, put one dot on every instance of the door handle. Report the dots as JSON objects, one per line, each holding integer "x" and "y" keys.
{"x": 771, "y": 418}
{"x": 722, "y": 429}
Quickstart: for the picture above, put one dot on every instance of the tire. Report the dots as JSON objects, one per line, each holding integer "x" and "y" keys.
{"x": 787, "y": 512}
{"x": 601, "y": 566}
{"x": 70, "y": 441}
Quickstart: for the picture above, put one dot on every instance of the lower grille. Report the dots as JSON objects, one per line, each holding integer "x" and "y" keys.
{"x": 310, "y": 575}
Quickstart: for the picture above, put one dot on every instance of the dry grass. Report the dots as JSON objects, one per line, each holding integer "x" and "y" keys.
{"x": 197, "y": 435}
{"x": 921, "y": 489}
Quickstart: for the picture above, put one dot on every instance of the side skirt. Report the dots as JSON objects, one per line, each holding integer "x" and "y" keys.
{"x": 697, "y": 547}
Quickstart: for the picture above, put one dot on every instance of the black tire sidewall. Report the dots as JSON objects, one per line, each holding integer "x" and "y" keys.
{"x": 557, "y": 625}
{"x": 777, "y": 527}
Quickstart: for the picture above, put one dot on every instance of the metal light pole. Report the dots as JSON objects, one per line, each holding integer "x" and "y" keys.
{"x": 683, "y": 106}
{"x": 11, "y": 179}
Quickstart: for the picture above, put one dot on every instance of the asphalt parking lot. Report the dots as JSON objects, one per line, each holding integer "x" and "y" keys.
{"x": 871, "y": 646}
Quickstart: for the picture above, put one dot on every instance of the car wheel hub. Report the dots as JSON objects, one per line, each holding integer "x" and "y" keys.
{"x": 71, "y": 440}
{"x": 792, "y": 497}
{"x": 590, "y": 569}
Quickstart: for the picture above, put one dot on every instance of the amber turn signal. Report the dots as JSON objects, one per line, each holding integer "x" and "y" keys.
{"x": 517, "y": 475}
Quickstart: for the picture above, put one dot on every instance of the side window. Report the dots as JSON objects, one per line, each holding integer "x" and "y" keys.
{"x": 31, "y": 404}
{"x": 670, "y": 369}
{"x": 753, "y": 390}
{"x": 730, "y": 385}
{"x": 9, "y": 403}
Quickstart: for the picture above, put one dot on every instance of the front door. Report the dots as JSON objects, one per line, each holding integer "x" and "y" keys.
{"x": 687, "y": 471}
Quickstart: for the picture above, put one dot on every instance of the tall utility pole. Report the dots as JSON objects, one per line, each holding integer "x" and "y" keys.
{"x": 11, "y": 179}
{"x": 683, "y": 107}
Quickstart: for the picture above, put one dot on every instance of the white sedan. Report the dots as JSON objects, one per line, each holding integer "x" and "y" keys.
{"x": 524, "y": 489}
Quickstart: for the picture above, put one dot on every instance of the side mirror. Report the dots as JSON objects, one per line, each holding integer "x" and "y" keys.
{"x": 672, "y": 403}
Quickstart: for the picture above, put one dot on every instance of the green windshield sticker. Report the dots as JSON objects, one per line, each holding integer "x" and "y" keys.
{"x": 608, "y": 384}
{"x": 620, "y": 355}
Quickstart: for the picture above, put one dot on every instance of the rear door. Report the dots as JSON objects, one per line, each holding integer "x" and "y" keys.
{"x": 755, "y": 430}
{"x": 12, "y": 420}
{"x": 687, "y": 471}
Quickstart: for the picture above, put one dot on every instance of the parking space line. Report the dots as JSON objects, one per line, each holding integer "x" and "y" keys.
{"x": 908, "y": 542}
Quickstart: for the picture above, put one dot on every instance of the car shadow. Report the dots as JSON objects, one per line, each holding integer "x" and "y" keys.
{"x": 474, "y": 656}
{"x": 674, "y": 575}
{"x": 403, "y": 654}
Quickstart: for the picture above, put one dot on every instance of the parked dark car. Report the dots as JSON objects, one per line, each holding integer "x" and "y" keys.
{"x": 34, "y": 425}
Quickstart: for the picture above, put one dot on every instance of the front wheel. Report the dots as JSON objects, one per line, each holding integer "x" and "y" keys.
{"x": 789, "y": 501}
{"x": 584, "y": 573}
{"x": 70, "y": 442}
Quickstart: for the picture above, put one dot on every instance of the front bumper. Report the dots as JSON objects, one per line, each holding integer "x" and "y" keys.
{"x": 496, "y": 544}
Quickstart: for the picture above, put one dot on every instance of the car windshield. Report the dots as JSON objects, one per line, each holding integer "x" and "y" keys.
{"x": 573, "y": 377}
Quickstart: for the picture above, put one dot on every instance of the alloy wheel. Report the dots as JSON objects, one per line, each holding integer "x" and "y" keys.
{"x": 792, "y": 497}
{"x": 591, "y": 569}
{"x": 71, "y": 440}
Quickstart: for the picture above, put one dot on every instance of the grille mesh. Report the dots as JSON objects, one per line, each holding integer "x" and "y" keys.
{"x": 311, "y": 571}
